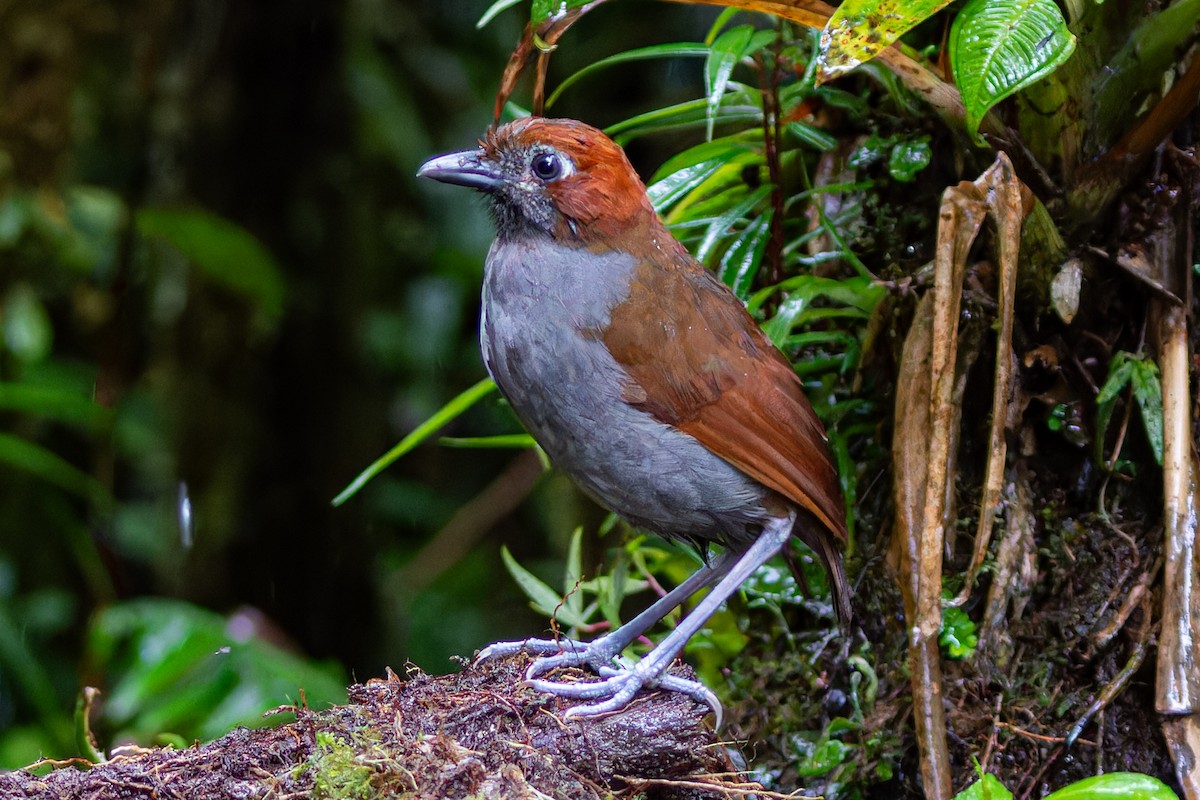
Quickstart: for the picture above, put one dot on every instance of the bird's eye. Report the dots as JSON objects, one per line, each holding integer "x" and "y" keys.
{"x": 546, "y": 166}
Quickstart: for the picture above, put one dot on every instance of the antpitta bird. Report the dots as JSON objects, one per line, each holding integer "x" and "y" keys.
{"x": 645, "y": 379}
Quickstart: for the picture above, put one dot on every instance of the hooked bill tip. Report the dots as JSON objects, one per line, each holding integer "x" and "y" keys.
{"x": 461, "y": 169}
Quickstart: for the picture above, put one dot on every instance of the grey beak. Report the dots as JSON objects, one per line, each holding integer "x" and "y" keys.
{"x": 466, "y": 168}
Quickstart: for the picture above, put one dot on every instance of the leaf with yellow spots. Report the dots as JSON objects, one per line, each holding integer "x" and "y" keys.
{"x": 860, "y": 29}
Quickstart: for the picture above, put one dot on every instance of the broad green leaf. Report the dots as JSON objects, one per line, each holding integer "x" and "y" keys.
{"x": 860, "y": 29}
{"x": 419, "y": 434}
{"x": 998, "y": 47}
{"x": 828, "y": 754}
{"x": 908, "y": 157}
{"x": 1122, "y": 785}
{"x": 543, "y": 599}
{"x": 50, "y": 467}
{"x": 1120, "y": 370}
{"x": 957, "y": 636}
{"x": 171, "y": 666}
{"x": 675, "y": 50}
{"x": 988, "y": 787}
{"x": 1125, "y": 369}
{"x": 1147, "y": 390}
{"x": 224, "y": 251}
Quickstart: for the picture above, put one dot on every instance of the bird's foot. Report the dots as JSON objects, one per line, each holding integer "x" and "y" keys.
{"x": 620, "y": 685}
{"x": 620, "y": 681}
{"x": 554, "y": 653}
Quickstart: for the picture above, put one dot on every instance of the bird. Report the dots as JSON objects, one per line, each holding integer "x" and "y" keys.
{"x": 645, "y": 379}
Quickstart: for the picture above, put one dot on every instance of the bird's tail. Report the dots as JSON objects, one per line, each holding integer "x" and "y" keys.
{"x": 821, "y": 543}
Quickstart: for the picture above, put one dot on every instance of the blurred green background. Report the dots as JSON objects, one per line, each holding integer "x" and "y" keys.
{"x": 222, "y": 295}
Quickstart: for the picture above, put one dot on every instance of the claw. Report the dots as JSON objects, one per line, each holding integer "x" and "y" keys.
{"x": 536, "y": 647}
{"x": 620, "y": 682}
{"x": 620, "y": 686}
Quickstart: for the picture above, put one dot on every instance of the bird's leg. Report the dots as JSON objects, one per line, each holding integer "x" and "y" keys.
{"x": 620, "y": 685}
{"x": 598, "y": 654}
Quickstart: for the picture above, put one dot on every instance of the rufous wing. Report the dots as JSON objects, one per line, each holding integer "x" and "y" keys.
{"x": 706, "y": 367}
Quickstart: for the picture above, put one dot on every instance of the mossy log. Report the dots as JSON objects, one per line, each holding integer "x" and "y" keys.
{"x": 479, "y": 733}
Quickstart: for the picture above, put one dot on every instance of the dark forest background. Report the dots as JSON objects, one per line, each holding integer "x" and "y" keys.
{"x": 210, "y": 227}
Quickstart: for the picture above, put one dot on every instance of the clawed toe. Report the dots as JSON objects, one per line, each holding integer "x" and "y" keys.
{"x": 536, "y": 647}
{"x": 619, "y": 686}
{"x": 619, "y": 682}
{"x": 554, "y": 653}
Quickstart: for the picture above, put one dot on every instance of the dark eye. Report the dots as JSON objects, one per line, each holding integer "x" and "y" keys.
{"x": 546, "y": 166}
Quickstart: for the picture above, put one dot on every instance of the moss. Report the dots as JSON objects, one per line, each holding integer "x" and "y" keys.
{"x": 356, "y": 768}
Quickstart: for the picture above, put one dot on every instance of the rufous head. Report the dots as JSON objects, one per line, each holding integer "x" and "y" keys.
{"x": 555, "y": 177}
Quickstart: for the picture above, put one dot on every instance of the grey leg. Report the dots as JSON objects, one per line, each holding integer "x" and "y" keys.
{"x": 599, "y": 653}
{"x": 620, "y": 685}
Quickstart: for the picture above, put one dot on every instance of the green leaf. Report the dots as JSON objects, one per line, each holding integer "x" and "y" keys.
{"x": 674, "y": 50}
{"x": 30, "y": 675}
{"x": 732, "y": 214}
{"x": 1147, "y": 391}
{"x": 1142, "y": 375}
{"x": 859, "y": 295}
{"x": 494, "y": 10}
{"x": 171, "y": 666}
{"x": 615, "y": 587}
{"x": 674, "y": 186}
{"x": 224, "y": 251}
{"x": 573, "y": 578}
{"x": 543, "y": 599}
{"x": 543, "y": 10}
{"x": 14, "y": 217}
{"x": 860, "y": 29}
{"x": 690, "y": 114}
{"x": 60, "y": 404}
{"x": 686, "y": 171}
{"x": 516, "y": 441}
{"x": 742, "y": 259}
{"x": 726, "y": 52}
{"x": 908, "y": 157}
{"x": 1120, "y": 371}
{"x": 1122, "y": 785}
{"x": 824, "y": 757}
{"x": 419, "y": 434}
{"x": 812, "y": 138}
{"x": 48, "y": 466}
{"x": 28, "y": 333}
{"x": 988, "y": 787}
{"x": 957, "y": 637}
{"x": 998, "y": 47}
